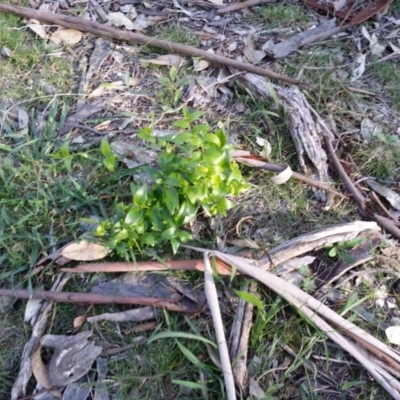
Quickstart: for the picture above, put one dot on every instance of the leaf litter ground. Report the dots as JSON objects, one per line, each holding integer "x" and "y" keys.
{"x": 122, "y": 90}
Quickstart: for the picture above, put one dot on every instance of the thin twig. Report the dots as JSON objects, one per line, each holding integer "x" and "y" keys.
{"x": 107, "y": 31}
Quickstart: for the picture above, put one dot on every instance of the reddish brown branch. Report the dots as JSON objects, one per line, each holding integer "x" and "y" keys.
{"x": 364, "y": 211}
{"x": 106, "y": 31}
{"x": 93, "y": 298}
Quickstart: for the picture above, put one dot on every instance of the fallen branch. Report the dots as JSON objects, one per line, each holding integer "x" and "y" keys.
{"x": 386, "y": 223}
{"x": 112, "y": 33}
{"x": 92, "y": 298}
{"x": 240, "y": 6}
{"x": 315, "y": 310}
{"x": 145, "y": 266}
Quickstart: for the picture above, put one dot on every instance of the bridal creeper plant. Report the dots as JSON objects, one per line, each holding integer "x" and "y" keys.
{"x": 194, "y": 172}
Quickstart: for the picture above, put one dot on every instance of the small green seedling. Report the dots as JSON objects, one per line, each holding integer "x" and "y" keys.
{"x": 171, "y": 91}
{"x": 340, "y": 249}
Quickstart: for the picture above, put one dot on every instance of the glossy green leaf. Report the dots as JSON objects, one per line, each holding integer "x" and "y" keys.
{"x": 212, "y": 138}
{"x": 171, "y": 199}
{"x": 183, "y": 138}
{"x": 155, "y": 218}
{"x": 352, "y": 243}
{"x": 184, "y": 236}
{"x": 146, "y": 134}
{"x": 105, "y": 147}
{"x": 140, "y": 196}
{"x": 148, "y": 238}
{"x": 68, "y": 164}
{"x": 64, "y": 149}
{"x": 169, "y": 233}
{"x": 195, "y": 115}
{"x": 222, "y": 137}
{"x": 175, "y": 245}
{"x": 186, "y": 213}
{"x": 134, "y": 215}
{"x": 333, "y": 252}
{"x": 110, "y": 162}
{"x": 182, "y": 123}
{"x": 213, "y": 156}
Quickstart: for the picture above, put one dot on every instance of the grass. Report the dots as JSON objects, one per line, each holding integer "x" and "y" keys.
{"x": 43, "y": 199}
{"x": 283, "y": 16}
{"x": 30, "y": 65}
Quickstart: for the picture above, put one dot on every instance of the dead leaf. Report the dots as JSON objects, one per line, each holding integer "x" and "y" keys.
{"x": 255, "y": 389}
{"x": 141, "y": 22}
{"x": 200, "y": 65}
{"x": 85, "y": 251}
{"x": 119, "y": 19}
{"x": 217, "y": 2}
{"x": 360, "y": 68}
{"x": 66, "y": 36}
{"x": 171, "y": 60}
{"x": 253, "y": 56}
{"x": 390, "y": 195}
{"x": 282, "y": 177}
{"x": 245, "y": 243}
{"x": 80, "y": 320}
{"x": 393, "y": 334}
{"x": 374, "y": 45}
{"x": 41, "y": 374}
{"x": 369, "y": 129}
{"x": 32, "y": 309}
{"x": 39, "y": 30}
{"x": 108, "y": 86}
{"x": 73, "y": 357}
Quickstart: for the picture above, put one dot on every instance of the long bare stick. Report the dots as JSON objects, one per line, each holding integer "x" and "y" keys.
{"x": 107, "y": 31}
{"x": 213, "y": 303}
{"x": 93, "y": 298}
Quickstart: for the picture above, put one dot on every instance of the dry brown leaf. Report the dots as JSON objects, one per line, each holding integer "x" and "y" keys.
{"x": 282, "y": 177}
{"x": 79, "y": 321}
{"x": 66, "y": 36}
{"x": 40, "y": 372}
{"x": 103, "y": 87}
{"x": 38, "y": 29}
{"x": 171, "y": 60}
{"x": 200, "y": 65}
{"x": 119, "y": 19}
{"x": 85, "y": 251}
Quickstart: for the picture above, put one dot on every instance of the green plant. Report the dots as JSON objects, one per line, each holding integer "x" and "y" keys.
{"x": 194, "y": 171}
{"x": 339, "y": 249}
{"x": 171, "y": 91}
